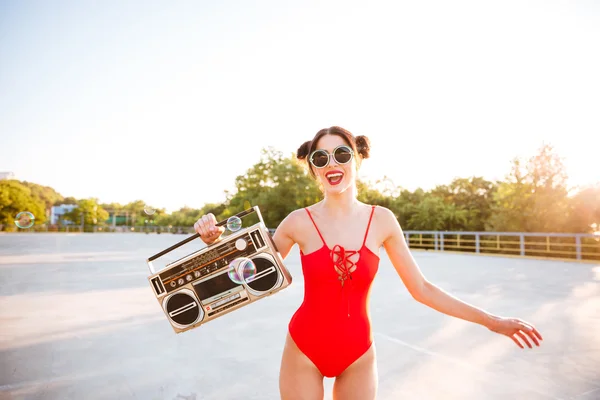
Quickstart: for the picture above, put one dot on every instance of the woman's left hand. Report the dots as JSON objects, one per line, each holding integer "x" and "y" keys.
{"x": 515, "y": 328}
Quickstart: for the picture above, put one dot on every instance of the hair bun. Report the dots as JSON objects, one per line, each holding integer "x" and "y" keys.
{"x": 303, "y": 150}
{"x": 363, "y": 145}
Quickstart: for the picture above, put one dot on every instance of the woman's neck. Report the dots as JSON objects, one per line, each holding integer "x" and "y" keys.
{"x": 340, "y": 204}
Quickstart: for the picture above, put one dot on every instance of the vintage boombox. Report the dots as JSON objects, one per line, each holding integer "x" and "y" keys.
{"x": 241, "y": 268}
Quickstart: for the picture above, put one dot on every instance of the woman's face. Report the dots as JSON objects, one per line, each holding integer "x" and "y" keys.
{"x": 335, "y": 178}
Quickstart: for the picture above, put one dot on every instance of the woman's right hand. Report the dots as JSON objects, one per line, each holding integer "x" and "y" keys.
{"x": 207, "y": 229}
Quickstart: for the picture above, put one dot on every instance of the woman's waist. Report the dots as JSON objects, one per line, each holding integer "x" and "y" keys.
{"x": 343, "y": 312}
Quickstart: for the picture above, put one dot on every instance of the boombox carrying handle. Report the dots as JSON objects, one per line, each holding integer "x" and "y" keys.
{"x": 197, "y": 235}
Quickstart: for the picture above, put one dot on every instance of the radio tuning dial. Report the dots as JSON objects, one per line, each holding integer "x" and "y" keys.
{"x": 240, "y": 244}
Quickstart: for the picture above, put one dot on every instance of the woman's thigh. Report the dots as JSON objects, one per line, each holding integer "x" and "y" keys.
{"x": 359, "y": 380}
{"x": 299, "y": 379}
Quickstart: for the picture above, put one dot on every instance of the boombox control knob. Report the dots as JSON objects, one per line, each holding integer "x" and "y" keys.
{"x": 180, "y": 281}
{"x": 188, "y": 277}
{"x": 197, "y": 274}
{"x": 240, "y": 244}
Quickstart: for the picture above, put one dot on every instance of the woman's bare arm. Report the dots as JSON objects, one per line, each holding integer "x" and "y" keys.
{"x": 434, "y": 297}
{"x": 284, "y": 234}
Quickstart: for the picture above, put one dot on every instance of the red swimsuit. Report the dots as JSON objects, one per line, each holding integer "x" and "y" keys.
{"x": 332, "y": 327}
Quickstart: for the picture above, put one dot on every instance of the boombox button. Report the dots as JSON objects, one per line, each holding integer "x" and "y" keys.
{"x": 240, "y": 244}
{"x": 188, "y": 277}
{"x": 180, "y": 281}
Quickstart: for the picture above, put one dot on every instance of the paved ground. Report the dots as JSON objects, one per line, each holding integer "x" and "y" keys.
{"x": 79, "y": 321}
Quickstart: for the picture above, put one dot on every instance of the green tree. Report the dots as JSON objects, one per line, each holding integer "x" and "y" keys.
{"x": 66, "y": 200}
{"x": 585, "y": 210}
{"x": 45, "y": 193}
{"x": 15, "y": 198}
{"x": 533, "y": 198}
{"x": 381, "y": 193}
{"x": 93, "y": 214}
{"x": 185, "y": 216}
{"x": 473, "y": 195}
{"x": 433, "y": 214}
{"x": 277, "y": 184}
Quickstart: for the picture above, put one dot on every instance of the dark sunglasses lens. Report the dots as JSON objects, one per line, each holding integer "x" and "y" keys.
{"x": 319, "y": 159}
{"x": 342, "y": 155}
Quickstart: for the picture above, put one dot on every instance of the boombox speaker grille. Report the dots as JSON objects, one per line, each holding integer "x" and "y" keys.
{"x": 267, "y": 275}
{"x": 182, "y": 308}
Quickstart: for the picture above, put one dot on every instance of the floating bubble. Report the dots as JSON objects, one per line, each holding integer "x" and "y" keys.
{"x": 24, "y": 220}
{"x": 234, "y": 223}
{"x": 149, "y": 210}
{"x": 242, "y": 270}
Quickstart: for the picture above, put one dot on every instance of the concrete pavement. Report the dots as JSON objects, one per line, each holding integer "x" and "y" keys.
{"x": 79, "y": 321}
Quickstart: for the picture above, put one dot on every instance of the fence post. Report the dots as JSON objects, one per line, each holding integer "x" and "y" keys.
{"x": 407, "y": 239}
{"x": 477, "y": 242}
{"x": 442, "y": 241}
{"x": 578, "y": 246}
{"x": 522, "y": 242}
{"x": 435, "y": 241}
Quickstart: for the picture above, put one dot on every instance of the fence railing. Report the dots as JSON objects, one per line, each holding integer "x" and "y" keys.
{"x": 567, "y": 246}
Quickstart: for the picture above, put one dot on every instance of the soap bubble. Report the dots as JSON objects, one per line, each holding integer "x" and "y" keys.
{"x": 149, "y": 210}
{"x": 242, "y": 270}
{"x": 24, "y": 220}
{"x": 234, "y": 223}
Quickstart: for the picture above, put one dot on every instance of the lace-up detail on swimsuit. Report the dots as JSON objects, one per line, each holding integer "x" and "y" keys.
{"x": 344, "y": 266}
{"x": 342, "y": 263}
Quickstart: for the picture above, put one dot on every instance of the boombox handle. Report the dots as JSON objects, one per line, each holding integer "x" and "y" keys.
{"x": 197, "y": 235}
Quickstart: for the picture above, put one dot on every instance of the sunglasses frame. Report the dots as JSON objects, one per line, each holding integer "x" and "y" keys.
{"x": 330, "y": 155}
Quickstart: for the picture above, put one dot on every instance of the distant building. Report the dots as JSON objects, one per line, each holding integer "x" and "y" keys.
{"x": 7, "y": 175}
{"x": 57, "y": 212}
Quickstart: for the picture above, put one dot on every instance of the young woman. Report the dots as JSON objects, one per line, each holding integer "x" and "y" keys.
{"x": 339, "y": 239}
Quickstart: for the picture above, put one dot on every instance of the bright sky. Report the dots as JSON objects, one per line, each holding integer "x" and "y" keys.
{"x": 169, "y": 101}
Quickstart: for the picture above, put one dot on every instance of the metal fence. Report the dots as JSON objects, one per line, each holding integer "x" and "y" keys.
{"x": 566, "y": 246}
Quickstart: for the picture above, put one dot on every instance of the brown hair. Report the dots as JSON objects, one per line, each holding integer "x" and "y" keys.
{"x": 361, "y": 146}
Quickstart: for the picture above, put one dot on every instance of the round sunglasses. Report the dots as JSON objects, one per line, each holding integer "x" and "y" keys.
{"x": 342, "y": 155}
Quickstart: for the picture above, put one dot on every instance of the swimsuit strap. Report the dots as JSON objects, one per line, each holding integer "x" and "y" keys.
{"x": 316, "y": 227}
{"x": 370, "y": 218}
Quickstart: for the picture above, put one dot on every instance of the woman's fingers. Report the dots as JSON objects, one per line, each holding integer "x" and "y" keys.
{"x": 212, "y": 220}
{"x": 204, "y": 224}
{"x": 197, "y": 228}
{"x": 533, "y": 338}
{"x": 524, "y": 338}
{"x": 207, "y": 224}
{"x": 516, "y": 341}
{"x": 530, "y": 331}
{"x": 207, "y": 228}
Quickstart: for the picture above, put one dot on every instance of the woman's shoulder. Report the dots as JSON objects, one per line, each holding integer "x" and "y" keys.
{"x": 382, "y": 214}
{"x": 296, "y": 221}
{"x": 294, "y": 218}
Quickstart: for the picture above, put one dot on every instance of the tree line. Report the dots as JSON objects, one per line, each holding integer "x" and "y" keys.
{"x": 533, "y": 197}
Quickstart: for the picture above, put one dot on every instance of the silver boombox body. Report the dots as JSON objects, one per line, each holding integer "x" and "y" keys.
{"x": 199, "y": 288}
